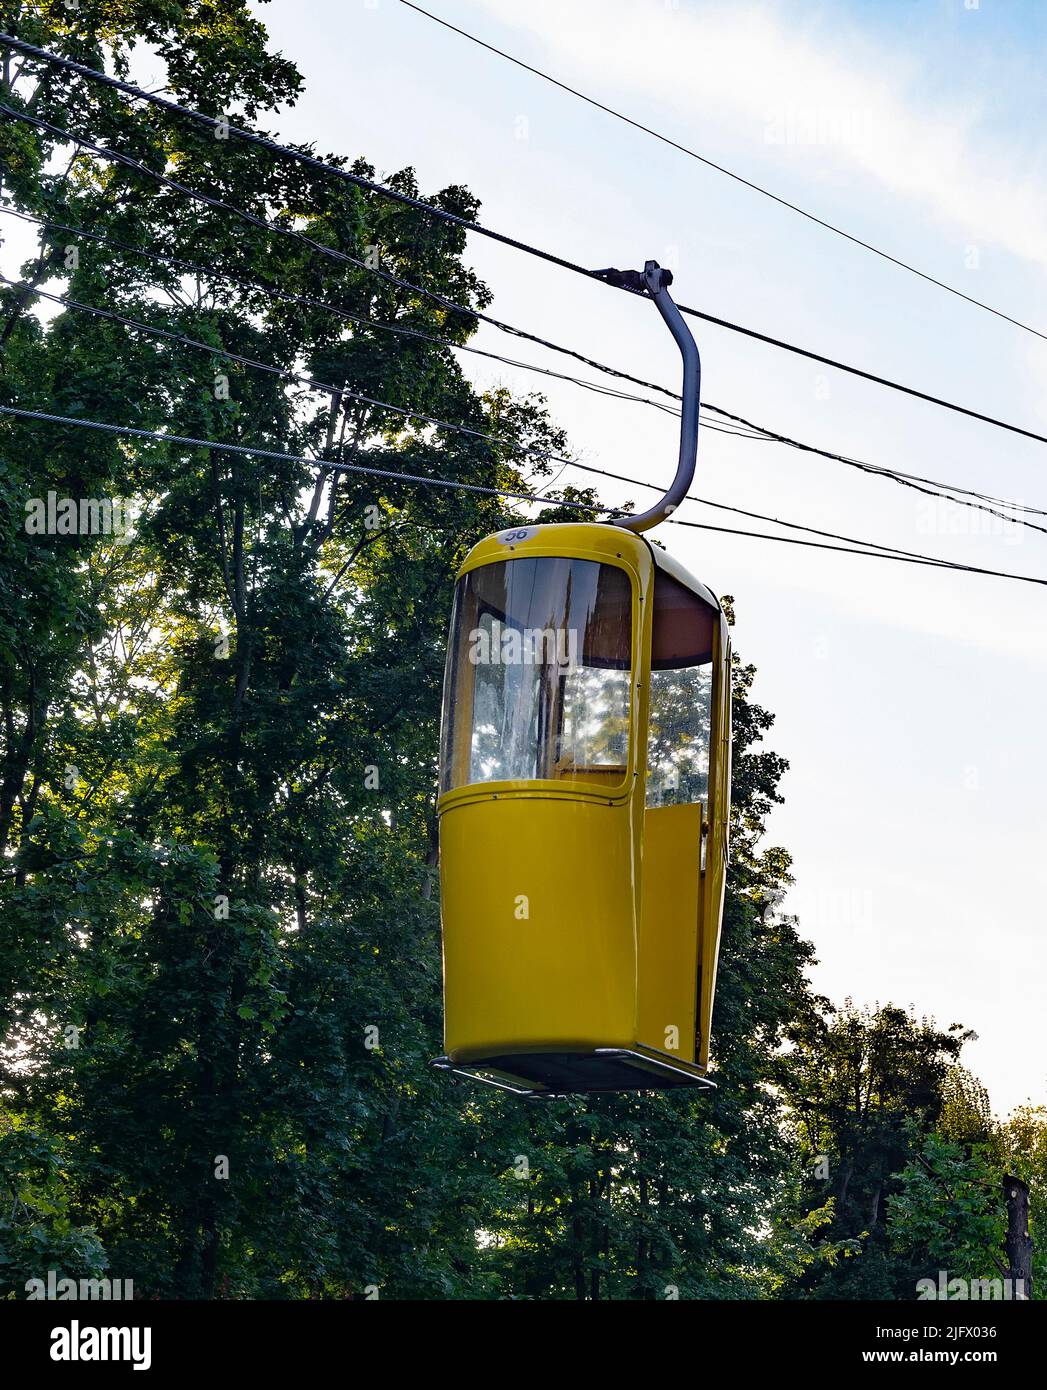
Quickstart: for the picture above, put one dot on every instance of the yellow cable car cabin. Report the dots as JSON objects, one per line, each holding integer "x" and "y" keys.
{"x": 585, "y": 775}
{"x": 585, "y": 783}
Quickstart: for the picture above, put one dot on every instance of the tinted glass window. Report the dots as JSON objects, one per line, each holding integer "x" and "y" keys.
{"x": 538, "y": 671}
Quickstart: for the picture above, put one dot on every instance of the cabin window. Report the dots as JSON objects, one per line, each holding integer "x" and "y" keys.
{"x": 538, "y": 674}
{"x": 680, "y": 696}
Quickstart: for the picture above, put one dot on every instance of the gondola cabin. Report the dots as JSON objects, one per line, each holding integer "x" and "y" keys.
{"x": 584, "y": 798}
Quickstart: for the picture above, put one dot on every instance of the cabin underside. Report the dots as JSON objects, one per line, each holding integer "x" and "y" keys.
{"x": 550, "y": 1074}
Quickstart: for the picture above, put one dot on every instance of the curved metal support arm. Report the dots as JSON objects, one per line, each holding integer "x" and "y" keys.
{"x": 656, "y": 280}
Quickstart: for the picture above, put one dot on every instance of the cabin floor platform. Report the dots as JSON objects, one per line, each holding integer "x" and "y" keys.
{"x": 552, "y": 1074}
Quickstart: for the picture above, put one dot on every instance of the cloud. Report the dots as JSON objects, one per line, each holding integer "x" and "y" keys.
{"x": 739, "y": 80}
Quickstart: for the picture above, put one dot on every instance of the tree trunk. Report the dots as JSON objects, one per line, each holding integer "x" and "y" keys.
{"x": 1018, "y": 1244}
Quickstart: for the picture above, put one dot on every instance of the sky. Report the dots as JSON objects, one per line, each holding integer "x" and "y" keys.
{"x": 909, "y": 702}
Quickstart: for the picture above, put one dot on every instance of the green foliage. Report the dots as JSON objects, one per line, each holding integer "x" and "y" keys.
{"x": 220, "y": 941}
{"x": 37, "y": 1233}
{"x": 947, "y": 1213}
{"x": 865, "y": 1087}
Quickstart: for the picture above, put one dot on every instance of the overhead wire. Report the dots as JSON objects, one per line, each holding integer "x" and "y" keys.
{"x": 722, "y": 169}
{"x": 741, "y": 511}
{"x": 920, "y": 484}
{"x": 308, "y": 301}
{"x": 224, "y": 446}
{"x": 340, "y": 392}
{"x": 455, "y": 485}
{"x": 326, "y": 387}
{"x": 755, "y": 431}
{"x": 330, "y": 252}
{"x": 138, "y": 93}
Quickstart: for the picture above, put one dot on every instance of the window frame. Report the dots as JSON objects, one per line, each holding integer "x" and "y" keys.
{"x": 710, "y": 663}
{"x": 569, "y": 787}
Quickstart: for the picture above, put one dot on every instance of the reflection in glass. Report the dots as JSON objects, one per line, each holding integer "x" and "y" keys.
{"x": 679, "y": 735}
{"x": 538, "y": 673}
{"x": 680, "y": 706}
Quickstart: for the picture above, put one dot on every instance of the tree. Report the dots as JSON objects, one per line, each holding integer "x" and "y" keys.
{"x": 220, "y": 738}
{"x": 220, "y": 957}
{"x": 865, "y": 1088}
{"x": 664, "y": 1196}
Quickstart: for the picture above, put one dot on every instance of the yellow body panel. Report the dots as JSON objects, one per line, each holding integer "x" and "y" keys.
{"x": 669, "y": 929}
{"x": 715, "y": 876}
{"x": 573, "y": 916}
{"x": 544, "y": 953}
